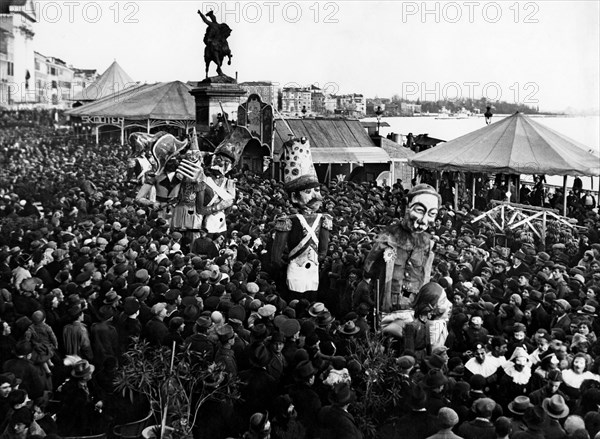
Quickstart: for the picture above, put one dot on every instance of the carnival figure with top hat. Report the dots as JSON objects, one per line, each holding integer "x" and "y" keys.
{"x": 305, "y": 234}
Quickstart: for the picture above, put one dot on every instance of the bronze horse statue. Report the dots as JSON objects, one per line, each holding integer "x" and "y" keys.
{"x": 215, "y": 40}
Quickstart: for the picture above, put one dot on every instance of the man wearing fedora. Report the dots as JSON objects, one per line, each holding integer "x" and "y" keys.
{"x": 535, "y": 421}
{"x": 334, "y": 420}
{"x": 556, "y": 408}
{"x": 305, "y": 399}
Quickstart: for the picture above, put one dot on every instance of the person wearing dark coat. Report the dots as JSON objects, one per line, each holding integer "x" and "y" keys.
{"x": 258, "y": 388}
{"x": 128, "y": 325}
{"x": 481, "y": 427}
{"x": 305, "y": 399}
{"x": 155, "y": 330}
{"x": 79, "y": 412}
{"x": 334, "y": 420}
{"x": 417, "y": 424}
{"x": 31, "y": 376}
{"x": 199, "y": 342}
{"x": 105, "y": 339}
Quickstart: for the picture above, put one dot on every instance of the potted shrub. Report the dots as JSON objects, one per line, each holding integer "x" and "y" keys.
{"x": 176, "y": 384}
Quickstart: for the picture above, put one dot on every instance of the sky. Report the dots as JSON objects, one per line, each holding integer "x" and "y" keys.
{"x": 541, "y": 53}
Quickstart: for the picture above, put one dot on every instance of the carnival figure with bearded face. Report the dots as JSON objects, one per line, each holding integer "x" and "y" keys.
{"x": 305, "y": 234}
{"x": 402, "y": 258}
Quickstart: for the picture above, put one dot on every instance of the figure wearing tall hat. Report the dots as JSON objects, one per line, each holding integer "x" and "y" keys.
{"x": 304, "y": 234}
{"x": 219, "y": 190}
{"x": 186, "y": 213}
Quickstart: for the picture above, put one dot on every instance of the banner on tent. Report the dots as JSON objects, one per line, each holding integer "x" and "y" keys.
{"x": 102, "y": 120}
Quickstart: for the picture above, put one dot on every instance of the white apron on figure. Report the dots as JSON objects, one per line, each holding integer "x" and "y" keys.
{"x": 303, "y": 268}
{"x": 215, "y": 222}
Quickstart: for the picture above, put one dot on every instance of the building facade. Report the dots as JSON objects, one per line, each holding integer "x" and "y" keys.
{"x": 17, "y": 20}
{"x": 53, "y": 81}
{"x": 295, "y": 99}
{"x": 353, "y": 104}
{"x": 265, "y": 89}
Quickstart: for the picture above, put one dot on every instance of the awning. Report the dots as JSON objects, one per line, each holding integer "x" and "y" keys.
{"x": 366, "y": 154}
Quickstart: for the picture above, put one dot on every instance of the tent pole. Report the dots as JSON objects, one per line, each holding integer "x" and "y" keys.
{"x": 148, "y": 126}
{"x": 565, "y": 195}
{"x": 473, "y": 192}
{"x": 97, "y": 134}
{"x": 456, "y": 195}
{"x": 437, "y": 181}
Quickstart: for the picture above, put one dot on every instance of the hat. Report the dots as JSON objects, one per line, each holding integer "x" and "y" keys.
{"x": 289, "y": 327}
{"x": 82, "y": 368}
{"x": 260, "y": 356}
{"x": 225, "y": 333}
{"x": 141, "y": 293}
{"x": 555, "y": 407}
{"x": 435, "y": 378}
{"x": 267, "y": 311}
{"x": 316, "y": 308}
{"x": 587, "y": 310}
{"x": 349, "y": 328}
{"x": 579, "y": 278}
{"x": 74, "y": 311}
{"x": 324, "y": 319}
{"x": 8, "y": 377}
{"x": 106, "y": 312}
{"x": 157, "y": 308}
{"x": 297, "y": 165}
{"x": 535, "y": 418}
{"x": 304, "y": 370}
{"x": 252, "y": 287}
{"x": 238, "y": 313}
{"x": 519, "y": 405}
{"x": 555, "y": 376}
{"x": 342, "y": 394}
{"x": 447, "y": 417}
{"x": 131, "y": 305}
{"x": 563, "y": 304}
{"x": 111, "y": 297}
{"x": 484, "y": 407}
{"x": 260, "y": 426}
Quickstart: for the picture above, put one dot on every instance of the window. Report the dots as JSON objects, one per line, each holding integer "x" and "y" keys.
{"x": 37, "y": 65}
{"x": 53, "y": 71}
{"x": 10, "y": 69}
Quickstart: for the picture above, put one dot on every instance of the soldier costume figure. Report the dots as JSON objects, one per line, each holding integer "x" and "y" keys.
{"x": 305, "y": 233}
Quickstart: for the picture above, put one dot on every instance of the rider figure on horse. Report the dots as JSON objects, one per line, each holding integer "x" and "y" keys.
{"x": 215, "y": 40}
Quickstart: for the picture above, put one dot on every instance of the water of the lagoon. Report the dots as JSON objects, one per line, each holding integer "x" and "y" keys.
{"x": 583, "y": 129}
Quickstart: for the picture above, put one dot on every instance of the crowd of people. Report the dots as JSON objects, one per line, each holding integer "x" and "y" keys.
{"x": 85, "y": 271}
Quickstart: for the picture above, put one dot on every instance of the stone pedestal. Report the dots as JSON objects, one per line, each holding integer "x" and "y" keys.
{"x": 213, "y": 96}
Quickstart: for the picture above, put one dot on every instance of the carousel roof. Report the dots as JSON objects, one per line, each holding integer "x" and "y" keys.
{"x": 163, "y": 101}
{"x": 514, "y": 145}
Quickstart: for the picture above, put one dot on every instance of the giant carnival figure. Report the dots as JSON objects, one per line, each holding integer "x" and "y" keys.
{"x": 179, "y": 188}
{"x": 218, "y": 191}
{"x": 306, "y": 233}
{"x": 161, "y": 181}
{"x": 402, "y": 259}
{"x": 215, "y": 40}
